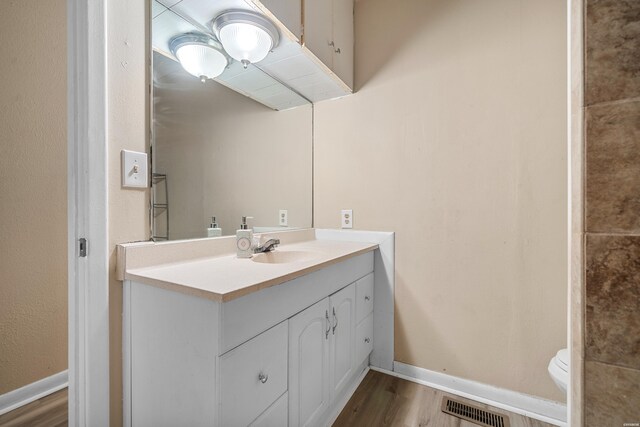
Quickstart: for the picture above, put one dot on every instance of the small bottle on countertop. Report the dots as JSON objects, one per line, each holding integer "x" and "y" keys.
{"x": 214, "y": 230}
{"x": 244, "y": 239}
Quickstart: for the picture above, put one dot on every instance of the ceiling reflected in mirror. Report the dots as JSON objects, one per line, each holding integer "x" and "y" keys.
{"x": 174, "y": 26}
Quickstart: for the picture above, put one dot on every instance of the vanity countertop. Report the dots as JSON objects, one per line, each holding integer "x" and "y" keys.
{"x": 226, "y": 277}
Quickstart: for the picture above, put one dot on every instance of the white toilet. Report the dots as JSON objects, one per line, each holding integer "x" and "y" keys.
{"x": 559, "y": 369}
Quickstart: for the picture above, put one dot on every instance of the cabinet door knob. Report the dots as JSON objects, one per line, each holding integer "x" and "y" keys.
{"x": 263, "y": 378}
{"x": 367, "y": 298}
{"x": 337, "y": 50}
{"x": 367, "y": 340}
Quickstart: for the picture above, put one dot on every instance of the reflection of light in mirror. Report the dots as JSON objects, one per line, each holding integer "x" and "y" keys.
{"x": 201, "y": 61}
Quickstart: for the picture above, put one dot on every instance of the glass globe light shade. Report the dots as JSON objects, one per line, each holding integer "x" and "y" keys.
{"x": 246, "y": 36}
{"x": 201, "y": 60}
{"x": 245, "y": 42}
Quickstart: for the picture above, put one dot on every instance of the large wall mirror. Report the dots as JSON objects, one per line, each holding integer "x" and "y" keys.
{"x": 238, "y": 144}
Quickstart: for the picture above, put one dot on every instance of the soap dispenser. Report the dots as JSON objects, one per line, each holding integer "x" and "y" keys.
{"x": 214, "y": 230}
{"x": 244, "y": 239}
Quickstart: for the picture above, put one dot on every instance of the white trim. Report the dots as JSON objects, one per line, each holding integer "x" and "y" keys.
{"x": 339, "y": 406}
{"x": 575, "y": 184}
{"x": 126, "y": 354}
{"x": 530, "y": 406}
{"x": 384, "y": 285}
{"x": 87, "y": 176}
{"x": 32, "y": 392}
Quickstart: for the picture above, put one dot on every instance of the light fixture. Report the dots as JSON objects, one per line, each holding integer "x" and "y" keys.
{"x": 200, "y": 55}
{"x": 246, "y": 36}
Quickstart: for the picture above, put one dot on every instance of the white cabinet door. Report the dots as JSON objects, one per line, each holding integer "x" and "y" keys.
{"x": 342, "y": 339}
{"x": 343, "y": 40}
{"x": 328, "y": 34}
{"x": 309, "y": 388}
{"x": 318, "y": 29}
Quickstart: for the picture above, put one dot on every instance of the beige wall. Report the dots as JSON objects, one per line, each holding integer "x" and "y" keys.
{"x": 456, "y": 140}
{"x": 33, "y": 191}
{"x": 127, "y": 129}
{"x": 229, "y": 156}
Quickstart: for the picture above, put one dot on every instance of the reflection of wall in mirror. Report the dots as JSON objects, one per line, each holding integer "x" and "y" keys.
{"x": 229, "y": 156}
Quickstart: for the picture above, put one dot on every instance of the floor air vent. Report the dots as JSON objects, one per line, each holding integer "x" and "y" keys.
{"x": 471, "y": 413}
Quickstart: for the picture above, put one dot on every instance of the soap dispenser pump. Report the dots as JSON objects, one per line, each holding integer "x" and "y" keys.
{"x": 244, "y": 239}
{"x": 214, "y": 230}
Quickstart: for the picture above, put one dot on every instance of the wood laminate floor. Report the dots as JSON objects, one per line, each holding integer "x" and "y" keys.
{"x": 381, "y": 400}
{"x": 385, "y": 400}
{"x": 50, "y": 411}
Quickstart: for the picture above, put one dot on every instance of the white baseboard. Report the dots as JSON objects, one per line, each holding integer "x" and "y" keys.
{"x": 530, "y": 406}
{"x": 34, "y": 391}
{"x": 339, "y": 406}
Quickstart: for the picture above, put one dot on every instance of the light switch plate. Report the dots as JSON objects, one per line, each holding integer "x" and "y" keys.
{"x": 347, "y": 218}
{"x": 134, "y": 169}
{"x": 283, "y": 218}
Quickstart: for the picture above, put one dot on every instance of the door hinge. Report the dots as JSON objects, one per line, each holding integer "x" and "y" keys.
{"x": 82, "y": 247}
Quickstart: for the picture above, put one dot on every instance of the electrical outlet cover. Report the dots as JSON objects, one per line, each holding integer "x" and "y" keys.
{"x": 347, "y": 218}
{"x": 283, "y": 218}
{"x": 134, "y": 169}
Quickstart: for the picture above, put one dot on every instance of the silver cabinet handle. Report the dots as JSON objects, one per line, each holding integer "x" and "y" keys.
{"x": 367, "y": 298}
{"x": 326, "y": 333}
{"x": 263, "y": 378}
{"x": 367, "y": 340}
{"x": 336, "y": 318}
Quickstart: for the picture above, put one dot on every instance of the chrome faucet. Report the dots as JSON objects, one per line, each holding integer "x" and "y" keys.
{"x": 267, "y": 246}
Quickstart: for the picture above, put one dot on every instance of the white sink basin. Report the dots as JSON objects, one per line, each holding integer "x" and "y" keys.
{"x": 284, "y": 257}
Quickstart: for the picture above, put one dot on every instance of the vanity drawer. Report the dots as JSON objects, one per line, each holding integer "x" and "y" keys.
{"x": 364, "y": 339}
{"x": 277, "y": 415}
{"x": 253, "y": 376}
{"x": 364, "y": 297}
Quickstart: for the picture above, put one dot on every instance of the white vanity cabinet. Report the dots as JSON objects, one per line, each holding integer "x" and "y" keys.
{"x": 284, "y": 355}
{"x": 309, "y": 391}
{"x": 342, "y": 342}
{"x": 328, "y": 34}
{"x": 321, "y": 356}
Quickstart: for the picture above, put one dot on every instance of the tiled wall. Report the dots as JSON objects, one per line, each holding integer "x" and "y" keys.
{"x": 612, "y": 217}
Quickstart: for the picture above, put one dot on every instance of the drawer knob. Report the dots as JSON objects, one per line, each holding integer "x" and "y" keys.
{"x": 263, "y": 378}
{"x": 367, "y": 298}
{"x": 367, "y": 340}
